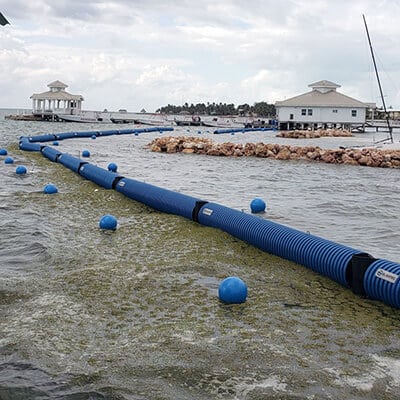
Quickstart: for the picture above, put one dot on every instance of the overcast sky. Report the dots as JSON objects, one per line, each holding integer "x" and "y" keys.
{"x": 136, "y": 54}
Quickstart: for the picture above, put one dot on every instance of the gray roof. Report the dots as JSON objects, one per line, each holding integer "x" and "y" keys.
{"x": 324, "y": 84}
{"x": 57, "y": 84}
{"x": 61, "y": 95}
{"x": 317, "y": 99}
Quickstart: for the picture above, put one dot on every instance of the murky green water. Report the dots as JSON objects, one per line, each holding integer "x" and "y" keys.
{"x": 134, "y": 314}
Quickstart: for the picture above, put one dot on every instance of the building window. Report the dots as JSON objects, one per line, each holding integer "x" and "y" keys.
{"x": 303, "y": 111}
{"x": 291, "y": 116}
{"x": 354, "y": 113}
{"x": 334, "y": 111}
{"x": 309, "y": 111}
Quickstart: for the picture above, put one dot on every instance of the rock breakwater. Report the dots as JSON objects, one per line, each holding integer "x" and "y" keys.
{"x": 306, "y": 134}
{"x": 370, "y": 157}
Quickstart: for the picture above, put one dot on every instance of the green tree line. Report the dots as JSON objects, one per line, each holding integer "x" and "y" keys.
{"x": 262, "y": 109}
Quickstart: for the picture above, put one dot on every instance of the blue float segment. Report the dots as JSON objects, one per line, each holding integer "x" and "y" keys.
{"x": 21, "y": 170}
{"x": 382, "y": 282}
{"x": 71, "y": 162}
{"x": 3, "y": 152}
{"x": 9, "y": 160}
{"x": 108, "y": 222}
{"x": 106, "y": 133}
{"x": 100, "y": 176}
{"x": 27, "y": 146}
{"x": 51, "y": 153}
{"x": 42, "y": 138}
{"x": 257, "y": 205}
{"x": 232, "y": 290}
{"x": 326, "y": 257}
{"x": 65, "y": 135}
{"x": 50, "y": 189}
{"x": 158, "y": 198}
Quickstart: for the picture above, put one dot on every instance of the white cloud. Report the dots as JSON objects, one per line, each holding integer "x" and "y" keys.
{"x": 127, "y": 53}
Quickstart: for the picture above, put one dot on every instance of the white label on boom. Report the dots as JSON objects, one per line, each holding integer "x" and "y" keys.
{"x": 207, "y": 212}
{"x": 386, "y": 275}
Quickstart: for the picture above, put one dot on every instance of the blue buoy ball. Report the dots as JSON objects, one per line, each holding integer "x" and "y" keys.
{"x": 232, "y": 290}
{"x": 85, "y": 153}
{"x": 257, "y": 205}
{"x": 108, "y": 222}
{"x": 55, "y": 143}
{"x": 112, "y": 167}
{"x": 20, "y": 170}
{"x": 3, "y": 152}
{"x": 50, "y": 189}
{"x": 9, "y": 160}
{"x": 94, "y": 137}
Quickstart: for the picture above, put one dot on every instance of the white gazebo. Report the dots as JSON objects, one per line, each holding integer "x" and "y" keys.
{"x": 56, "y": 100}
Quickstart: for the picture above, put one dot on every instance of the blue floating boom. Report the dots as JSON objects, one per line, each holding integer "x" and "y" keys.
{"x": 100, "y": 176}
{"x": 158, "y": 198}
{"x": 323, "y": 256}
{"x": 71, "y": 162}
{"x": 51, "y": 153}
{"x": 382, "y": 282}
{"x": 365, "y": 275}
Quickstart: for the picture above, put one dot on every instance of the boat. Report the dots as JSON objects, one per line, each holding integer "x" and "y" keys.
{"x": 78, "y": 118}
{"x": 223, "y": 122}
{"x": 187, "y": 120}
{"x": 151, "y": 119}
{"x": 82, "y": 118}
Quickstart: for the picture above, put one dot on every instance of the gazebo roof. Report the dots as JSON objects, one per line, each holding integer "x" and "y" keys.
{"x": 57, "y": 84}
{"x": 60, "y": 94}
{"x": 56, "y": 96}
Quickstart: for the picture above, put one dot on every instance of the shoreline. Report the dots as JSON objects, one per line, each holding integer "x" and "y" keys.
{"x": 366, "y": 156}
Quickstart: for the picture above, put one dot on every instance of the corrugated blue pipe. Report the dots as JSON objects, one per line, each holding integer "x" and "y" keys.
{"x": 233, "y": 130}
{"x": 71, "y": 162}
{"x": 51, "y": 153}
{"x": 27, "y": 146}
{"x": 100, "y": 176}
{"x": 42, "y": 138}
{"x": 160, "y": 199}
{"x": 65, "y": 135}
{"x": 382, "y": 282}
{"x": 323, "y": 256}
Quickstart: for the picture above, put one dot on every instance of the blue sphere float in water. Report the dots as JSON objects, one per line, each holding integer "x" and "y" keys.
{"x": 21, "y": 170}
{"x": 257, "y": 205}
{"x": 232, "y": 290}
{"x": 112, "y": 167}
{"x": 50, "y": 189}
{"x": 9, "y": 160}
{"x": 108, "y": 222}
{"x": 85, "y": 153}
{"x": 3, "y": 152}
{"x": 56, "y": 143}
{"x": 94, "y": 137}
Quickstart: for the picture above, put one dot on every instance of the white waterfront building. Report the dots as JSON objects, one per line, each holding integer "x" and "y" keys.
{"x": 56, "y": 100}
{"x": 322, "y": 107}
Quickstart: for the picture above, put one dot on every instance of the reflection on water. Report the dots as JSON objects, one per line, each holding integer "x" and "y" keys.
{"x": 133, "y": 314}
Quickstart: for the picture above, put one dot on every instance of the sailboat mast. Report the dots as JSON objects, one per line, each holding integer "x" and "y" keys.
{"x": 379, "y": 81}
